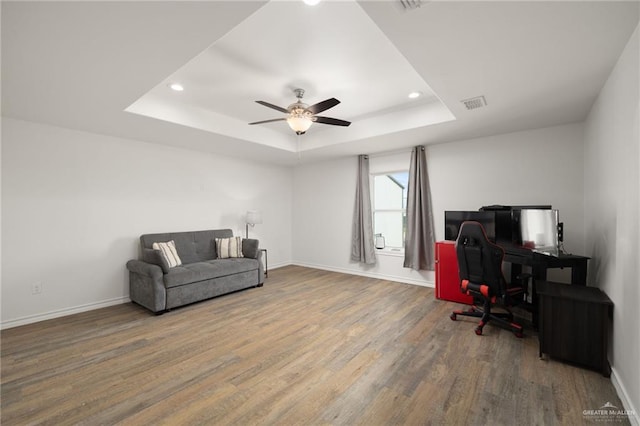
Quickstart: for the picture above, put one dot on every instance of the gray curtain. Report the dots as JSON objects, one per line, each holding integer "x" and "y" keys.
{"x": 362, "y": 244}
{"x": 420, "y": 238}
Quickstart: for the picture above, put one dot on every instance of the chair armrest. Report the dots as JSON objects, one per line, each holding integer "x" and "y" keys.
{"x": 250, "y": 248}
{"x": 144, "y": 268}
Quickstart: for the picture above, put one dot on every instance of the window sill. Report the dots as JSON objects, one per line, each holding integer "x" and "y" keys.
{"x": 397, "y": 252}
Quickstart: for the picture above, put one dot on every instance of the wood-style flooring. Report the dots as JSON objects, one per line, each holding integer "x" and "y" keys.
{"x": 311, "y": 347}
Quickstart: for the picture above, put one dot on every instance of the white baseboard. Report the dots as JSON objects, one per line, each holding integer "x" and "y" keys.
{"x": 634, "y": 418}
{"x": 63, "y": 312}
{"x": 423, "y": 283}
{"x": 279, "y": 265}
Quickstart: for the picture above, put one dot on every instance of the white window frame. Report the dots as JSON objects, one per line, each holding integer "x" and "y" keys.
{"x": 388, "y": 249}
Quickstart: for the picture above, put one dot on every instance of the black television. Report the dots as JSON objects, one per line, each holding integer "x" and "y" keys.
{"x": 453, "y": 220}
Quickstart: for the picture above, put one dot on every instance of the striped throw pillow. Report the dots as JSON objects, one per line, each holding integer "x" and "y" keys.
{"x": 229, "y": 247}
{"x": 168, "y": 252}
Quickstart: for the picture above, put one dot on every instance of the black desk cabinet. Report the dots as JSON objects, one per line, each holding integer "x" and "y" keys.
{"x": 574, "y": 324}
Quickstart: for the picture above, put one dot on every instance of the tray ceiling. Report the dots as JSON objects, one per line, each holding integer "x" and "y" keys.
{"x": 104, "y": 67}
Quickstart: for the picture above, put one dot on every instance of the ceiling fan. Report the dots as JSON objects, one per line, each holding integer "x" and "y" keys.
{"x": 300, "y": 116}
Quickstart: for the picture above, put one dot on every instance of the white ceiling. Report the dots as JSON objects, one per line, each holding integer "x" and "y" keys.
{"x": 313, "y": 50}
{"x": 103, "y": 67}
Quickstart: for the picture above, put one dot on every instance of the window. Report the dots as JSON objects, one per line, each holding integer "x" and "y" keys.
{"x": 390, "y": 207}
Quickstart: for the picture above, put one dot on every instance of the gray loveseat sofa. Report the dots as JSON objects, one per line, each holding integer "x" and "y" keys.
{"x": 201, "y": 276}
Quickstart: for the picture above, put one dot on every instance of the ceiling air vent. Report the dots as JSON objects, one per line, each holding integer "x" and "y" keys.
{"x": 473, "y": 103}
{"x": 411, "y": 4}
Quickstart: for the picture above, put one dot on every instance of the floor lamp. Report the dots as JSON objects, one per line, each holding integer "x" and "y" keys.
{"x": 253, "y": 217}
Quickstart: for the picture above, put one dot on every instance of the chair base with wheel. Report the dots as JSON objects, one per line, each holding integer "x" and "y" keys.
{"x": 504, "y": 319}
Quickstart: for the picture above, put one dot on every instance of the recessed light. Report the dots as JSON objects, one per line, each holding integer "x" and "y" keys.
{"x": 311, "y": 2}
{"x": 176, "y": 86}
{"x": 414, "y": 95}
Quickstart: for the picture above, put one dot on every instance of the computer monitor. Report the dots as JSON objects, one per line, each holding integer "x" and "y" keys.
{"x": 539, "y": 230}
{"x": 507, "y": 221}
{"x": 453, "y": 220}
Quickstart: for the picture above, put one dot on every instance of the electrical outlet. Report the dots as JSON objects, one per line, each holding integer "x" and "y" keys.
{"x": 36, "y": 288}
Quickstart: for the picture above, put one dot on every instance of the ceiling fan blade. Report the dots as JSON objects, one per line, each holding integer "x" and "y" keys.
{"x": 323, "y": 106}
{"x": 269, "y": 121}
{"x": 276, "y": 107}
{"x": 332, "y": 121}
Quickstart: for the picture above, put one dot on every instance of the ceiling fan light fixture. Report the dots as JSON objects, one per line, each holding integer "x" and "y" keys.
{"x": 299, "y": 120}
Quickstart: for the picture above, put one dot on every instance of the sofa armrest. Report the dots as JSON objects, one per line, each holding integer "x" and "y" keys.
{"x": 144, "y": 268}
{"x": 146, "y": 285}
{"x": 250, "y": 248}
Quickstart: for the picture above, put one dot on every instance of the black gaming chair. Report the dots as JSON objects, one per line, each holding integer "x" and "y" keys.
{"x": 480, "y": 266}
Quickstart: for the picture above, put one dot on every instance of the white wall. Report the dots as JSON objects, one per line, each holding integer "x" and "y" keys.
{"x": 75, "y": 203}
{"x": 94, "y": 195}
{"x": 543, "y": 166}
{"x": 612, "y": 182}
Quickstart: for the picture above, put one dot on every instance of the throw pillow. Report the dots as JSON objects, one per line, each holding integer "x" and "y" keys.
{"x": 169, "y": 253}
{"x": 229, "y": 247}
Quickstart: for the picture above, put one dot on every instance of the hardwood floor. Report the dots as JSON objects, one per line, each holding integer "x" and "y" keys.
{"x": 310, "y": 347}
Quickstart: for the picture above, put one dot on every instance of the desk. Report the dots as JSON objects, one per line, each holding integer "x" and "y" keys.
{"x": 539, "y": 263}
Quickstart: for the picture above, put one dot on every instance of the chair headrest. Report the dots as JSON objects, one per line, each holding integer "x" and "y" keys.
{"x": 472, "y": 233}
{"x": 479, "y": 260}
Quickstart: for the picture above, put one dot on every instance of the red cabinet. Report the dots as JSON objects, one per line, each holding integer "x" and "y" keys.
{"x": 447, "y": 279}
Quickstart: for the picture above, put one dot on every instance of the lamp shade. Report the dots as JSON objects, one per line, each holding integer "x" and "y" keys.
{"x": 254, "y": 216}
{"x": 299, "y": 123}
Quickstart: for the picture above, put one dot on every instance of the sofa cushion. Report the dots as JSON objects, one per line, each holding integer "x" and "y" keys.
{"x": 200, "y": 271}
{"x": 168, "y": 253}
{"x": 229, "y": 247}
